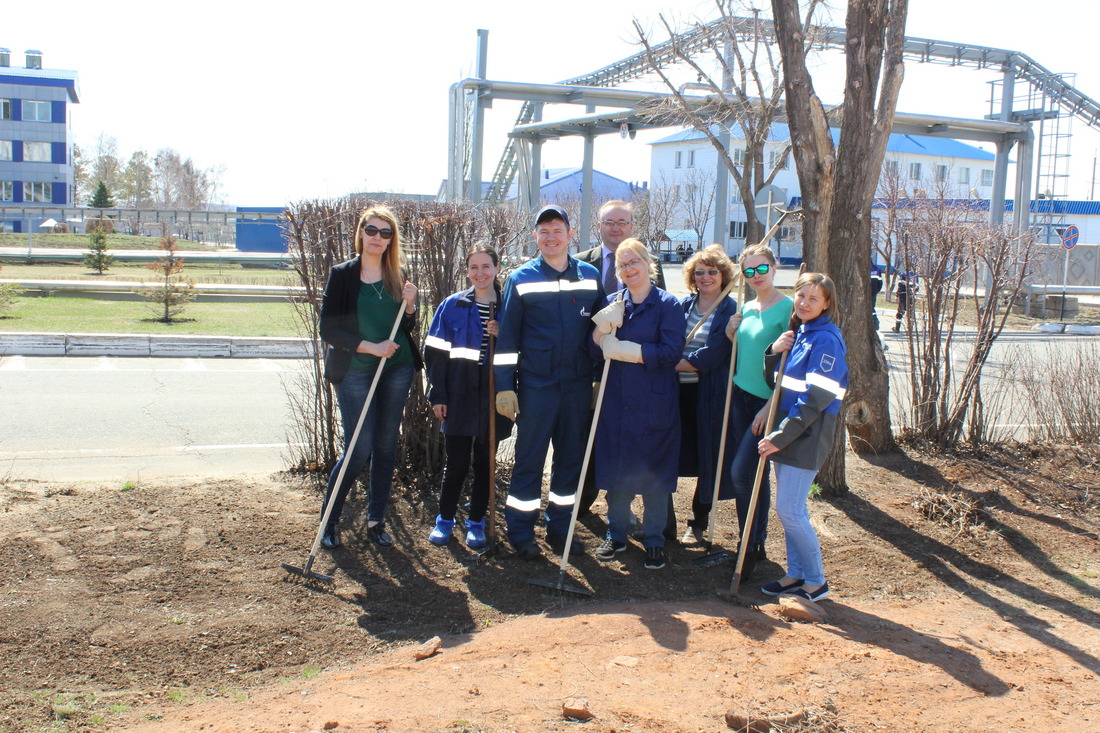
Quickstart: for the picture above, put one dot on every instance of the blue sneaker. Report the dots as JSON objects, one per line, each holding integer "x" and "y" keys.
{"x": 441, "y": 535}
{"x": 475, "y": 534}
{"x": 775, "y": 587}
{"x": 818, "y": 595}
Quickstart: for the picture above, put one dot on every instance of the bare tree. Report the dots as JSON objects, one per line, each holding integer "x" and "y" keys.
{"x": 837, "y": 183}
{"x": 696, "y": 203}
{"x": 743, "y": 75}
{"x": 653, "y": 213}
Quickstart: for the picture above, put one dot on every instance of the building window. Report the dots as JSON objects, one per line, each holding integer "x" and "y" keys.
{"x": 987, "y": 177}
{"x": 36, "y": 152}
{"x": 737, "y": 230}
{"x": 6, "y": 191}
{"x": 941, "y": 173}
{"x": 679, "y": 155}
{"x": 964, "y": 175}
{"x": 914, "y": 171}
{"x": 5, "y": 149}
{"x": 739, "y": 158}
{"x": 36, "y": 193}
{"x": 691, "y": 159}
{"x": 891, "y": 169}
{"x": 5, "y": 109}
{"x": 776, "y": 162}
{"x": 34, "y": 111}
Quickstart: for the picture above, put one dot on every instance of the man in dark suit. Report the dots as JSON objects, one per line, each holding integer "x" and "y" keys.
{"x": 615, "y": 223}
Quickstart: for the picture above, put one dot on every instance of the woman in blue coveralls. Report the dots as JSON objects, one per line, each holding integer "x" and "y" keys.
{"x": 457, "y": 356}
{"x": 358, "y": 309}
{"x": 638, "y": 435}
{"x": 812, "y": 390}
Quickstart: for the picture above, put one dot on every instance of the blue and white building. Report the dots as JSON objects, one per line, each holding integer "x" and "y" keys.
{"x": 36, "y": 148}
{"x": 920, "y": 165}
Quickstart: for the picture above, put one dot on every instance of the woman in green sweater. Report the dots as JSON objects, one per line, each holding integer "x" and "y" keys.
{"x": 755, "y": 327}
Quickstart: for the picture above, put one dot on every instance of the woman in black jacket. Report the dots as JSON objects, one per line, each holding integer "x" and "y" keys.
{"x": 359, "y": 307}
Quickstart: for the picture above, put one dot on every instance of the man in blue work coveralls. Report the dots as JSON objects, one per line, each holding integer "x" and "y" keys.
{"x": 544, "y": 379}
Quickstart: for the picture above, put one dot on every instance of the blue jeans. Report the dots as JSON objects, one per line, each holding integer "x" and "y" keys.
{"x": 792, "y": 490}
{"x": 743, "y": 408}
{"x": 654, "y": 517}
{"x": 377, "y": 443}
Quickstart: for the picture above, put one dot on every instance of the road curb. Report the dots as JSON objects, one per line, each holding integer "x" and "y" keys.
{"x": 115, "y": 344}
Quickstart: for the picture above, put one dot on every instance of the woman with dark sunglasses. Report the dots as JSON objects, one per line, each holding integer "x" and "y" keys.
{"x": 761, "y": 321}
{"x": 360, "y": 305}
{"x": 703, "y": 372}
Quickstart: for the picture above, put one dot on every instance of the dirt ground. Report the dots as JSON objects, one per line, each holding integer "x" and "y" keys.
{"x": 163, "y": 607}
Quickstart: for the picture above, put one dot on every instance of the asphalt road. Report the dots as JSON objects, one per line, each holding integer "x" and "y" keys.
{"x": 106, "y": 419}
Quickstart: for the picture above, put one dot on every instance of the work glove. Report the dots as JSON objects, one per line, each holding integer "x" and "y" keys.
{"x": 508, "y": 404}
{"x": 627, "y": 351}
{"x": 732, "y": 325}
{"x": 610, "y": 317}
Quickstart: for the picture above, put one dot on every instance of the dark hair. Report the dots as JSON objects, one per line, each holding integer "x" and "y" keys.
{"x": 487, "y": 249}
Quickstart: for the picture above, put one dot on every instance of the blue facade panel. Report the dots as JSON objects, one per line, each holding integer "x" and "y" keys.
{"x": 57, "y": 154}
{"x": 17, "y": 151}
{"x": 57, "y": 112}
{"x": 17, "y": 192}
{"x": 16, "y": 108}
{"x": 260, "y": 236}
{"x": 57, "y": 196}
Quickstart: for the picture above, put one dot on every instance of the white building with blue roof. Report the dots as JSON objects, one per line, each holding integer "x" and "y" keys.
{"x": 921, "y": 164}
{"x": 36, "y": 149}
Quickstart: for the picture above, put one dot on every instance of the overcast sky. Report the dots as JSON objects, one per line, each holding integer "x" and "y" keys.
{"x": 303, "y": 100}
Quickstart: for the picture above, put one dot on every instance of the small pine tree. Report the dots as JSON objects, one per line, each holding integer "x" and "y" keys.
{"x": 98, "y": 259}
{"x": 102, "y": 199}
{"x": 173, "y": 292}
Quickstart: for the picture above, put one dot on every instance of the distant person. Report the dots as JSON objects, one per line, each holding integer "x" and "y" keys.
{"x": 544, "y": 376}
{"x": 638, "y": 434}
{"x": 904, "y": 289}
{"x": 813, "y": 387}
{"x": 615, "y": 223}
{"x": 358, "y": 309}
{"x": 457, "y": 356}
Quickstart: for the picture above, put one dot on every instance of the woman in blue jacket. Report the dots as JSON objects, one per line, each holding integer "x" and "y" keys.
{"x": 813, "y": 387}
{"x": 456, "y": 352}
{"x": 703, "y": 372}
{"x": 638, "y": 435}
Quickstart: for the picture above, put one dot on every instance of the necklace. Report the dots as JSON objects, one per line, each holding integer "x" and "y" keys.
{"x": 377, "y": 288}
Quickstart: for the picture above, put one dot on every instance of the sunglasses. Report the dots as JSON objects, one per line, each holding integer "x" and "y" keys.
{"x": 373, "y": 231}
{"x": 758, "y": 270}
{"x": 701, "y": 273}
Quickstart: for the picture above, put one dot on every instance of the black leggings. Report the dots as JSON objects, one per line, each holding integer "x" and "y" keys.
{"x": 459, "y": 448}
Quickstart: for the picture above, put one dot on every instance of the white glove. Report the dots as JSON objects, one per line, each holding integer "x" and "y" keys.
{"x": 610, "y": 317}
{"x": 628, "y": 351}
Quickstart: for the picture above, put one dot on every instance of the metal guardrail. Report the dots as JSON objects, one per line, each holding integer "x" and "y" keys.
{"x": 42, "y": 254}
{"x": 123, "y": 286}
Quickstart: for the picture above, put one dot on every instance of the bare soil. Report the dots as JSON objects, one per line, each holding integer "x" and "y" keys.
{"x": 163, "y": 607}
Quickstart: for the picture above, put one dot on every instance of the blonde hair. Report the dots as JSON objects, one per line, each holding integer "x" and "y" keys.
{"x": 757, "y": 250}
{"x": 637, "y": 247}
{"x": 714, "y": 256}
{"x": 393, "y": 259}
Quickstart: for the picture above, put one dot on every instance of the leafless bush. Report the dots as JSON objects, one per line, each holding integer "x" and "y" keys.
{"x": 1064, "y": 388}
{"x": 960, "y": 263}
{"x": 953, "y": 509}
{"x": 815, "y": 719}
{"x": 437, "y": 237}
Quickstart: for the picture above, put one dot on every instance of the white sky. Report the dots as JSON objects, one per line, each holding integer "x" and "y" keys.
{"x": 313, "y": 99}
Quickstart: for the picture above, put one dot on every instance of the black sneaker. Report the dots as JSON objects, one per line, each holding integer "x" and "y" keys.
{"x": 557, "y": 544}
{"x": 331, "y": 538}
{"x": 776, "y": 587}
{"x": 528, "y": 550}
{"x": 654, "y": 558}
{"x": 609, "y": 549}
{"x": 378, "y": 535}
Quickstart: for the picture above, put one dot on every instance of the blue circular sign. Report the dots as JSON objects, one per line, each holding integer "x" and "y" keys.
{"x": 1070, "y": 236}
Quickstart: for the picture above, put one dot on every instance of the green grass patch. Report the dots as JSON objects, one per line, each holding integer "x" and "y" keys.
{"x": 206, "y": 273}
{"x": 87, "y": 315}
{"x": 310, "y": 672}
{"x": 80, "y": 241}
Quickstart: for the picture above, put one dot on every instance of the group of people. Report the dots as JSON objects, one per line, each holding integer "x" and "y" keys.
{"x": 556, "y": 322}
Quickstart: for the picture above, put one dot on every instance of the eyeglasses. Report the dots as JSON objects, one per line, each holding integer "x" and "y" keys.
{"x": 373, "y": 231}
{"x": 758, "y": 270}
{"x": 630, "y": 265}
{"x": 702, "y": 273}
{"x": 615, "y": 223}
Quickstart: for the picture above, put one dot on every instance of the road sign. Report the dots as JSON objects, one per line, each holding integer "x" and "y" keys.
{"x": 766, "y": 199}
{"x": 1069, "y": 237}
